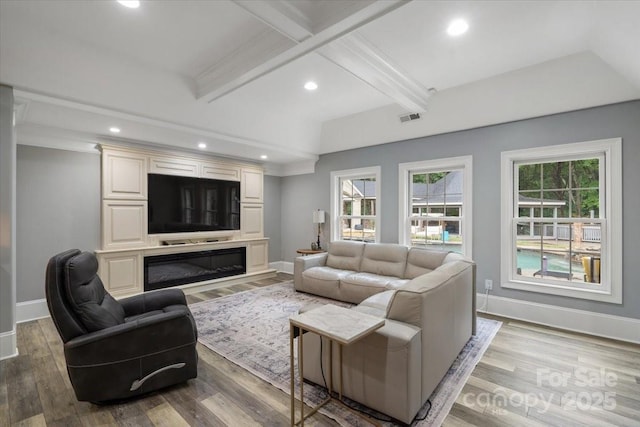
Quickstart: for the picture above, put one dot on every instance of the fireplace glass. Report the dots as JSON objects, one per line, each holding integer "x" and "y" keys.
{"x": 163, "y": 271}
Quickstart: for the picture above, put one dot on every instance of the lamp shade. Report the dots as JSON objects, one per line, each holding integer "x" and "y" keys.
{"x": 318, "y": 217}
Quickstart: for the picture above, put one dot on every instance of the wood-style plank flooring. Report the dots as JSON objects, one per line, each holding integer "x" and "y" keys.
{"x": 530, "y": 375}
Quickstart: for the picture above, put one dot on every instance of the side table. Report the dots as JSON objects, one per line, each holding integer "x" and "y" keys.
{"x": 340, "y": 325}
{"x": 304, "y": 252}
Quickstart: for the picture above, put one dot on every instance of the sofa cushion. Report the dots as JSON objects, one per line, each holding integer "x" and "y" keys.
{"x": 345, "y": 255}
{"x": 357, "y": 287}
{"x": 421, "y": 261}
{"x": 324, "y": 281}
{"x": 384, "y": 260}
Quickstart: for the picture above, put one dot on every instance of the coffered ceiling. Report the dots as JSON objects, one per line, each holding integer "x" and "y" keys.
{"x": 231, "y": 73}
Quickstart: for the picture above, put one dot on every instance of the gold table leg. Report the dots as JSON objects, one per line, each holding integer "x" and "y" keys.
{"x": 291, "y": 360}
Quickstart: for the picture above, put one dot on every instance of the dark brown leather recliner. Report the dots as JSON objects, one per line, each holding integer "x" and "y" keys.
{"x": 118, "y": 349}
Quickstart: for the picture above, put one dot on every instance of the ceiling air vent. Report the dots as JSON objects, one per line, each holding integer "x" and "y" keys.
{"x": 409, "y": 117}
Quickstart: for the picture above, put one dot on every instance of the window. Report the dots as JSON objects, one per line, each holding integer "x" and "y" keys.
{"x": 435, "y": 204}
{"x": 355, "y": 201}
{"x": 562, "y": 220}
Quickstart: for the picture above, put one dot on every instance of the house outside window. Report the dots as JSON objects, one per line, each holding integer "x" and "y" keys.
{"x": 435, "y": 204}
{"x": 355, "y": 201}
{"x": 562, "y": 220}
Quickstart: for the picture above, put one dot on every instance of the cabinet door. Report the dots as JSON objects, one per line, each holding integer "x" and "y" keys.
{"x": 173, "y": 166}
{"x": 121, "y": 273}
{"x": 220, "y": 171}
{"x": 257, "y": 256}
{"x": 251, "y": 220}
{"x": 125, "y": 224}
{"x": 251, "y": 186}
{"x": 124, "y": 175}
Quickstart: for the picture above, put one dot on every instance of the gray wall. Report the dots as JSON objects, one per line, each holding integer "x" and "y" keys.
{"x": 302, "y": 194}
{"x": 272, "y": 224}
{"x": 7, "y": 213}
{"x": 58, "y": 208}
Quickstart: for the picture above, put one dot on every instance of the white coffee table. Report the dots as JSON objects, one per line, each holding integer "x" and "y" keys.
{"x": 338, "y": 324}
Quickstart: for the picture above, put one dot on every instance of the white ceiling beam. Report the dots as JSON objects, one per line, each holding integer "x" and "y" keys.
{"x": 361, "y": 58}
{"x": 213, "y": 84}
{"x": 281, "y": 16}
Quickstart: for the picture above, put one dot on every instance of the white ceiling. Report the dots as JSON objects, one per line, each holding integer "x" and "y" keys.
{"x": 230, "y": 73}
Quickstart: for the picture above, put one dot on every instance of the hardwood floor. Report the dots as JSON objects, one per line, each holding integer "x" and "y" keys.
{"x": 530, "y": 375}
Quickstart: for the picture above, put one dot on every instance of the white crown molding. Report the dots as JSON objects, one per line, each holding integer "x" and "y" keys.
{"x": 291, "y": 169}
{"x": 24, "y": 96}
{"x": 59, "y": 139}
{"x": 598, "y": 324}
{"x": 20, "y": 110}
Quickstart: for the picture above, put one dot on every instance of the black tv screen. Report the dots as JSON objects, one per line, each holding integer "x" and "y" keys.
{"x": 179, "y": 204}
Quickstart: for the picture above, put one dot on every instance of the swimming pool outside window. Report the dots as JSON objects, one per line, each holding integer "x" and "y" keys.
{"x": 435, "y": 204}
{"x": 561, "y": 220}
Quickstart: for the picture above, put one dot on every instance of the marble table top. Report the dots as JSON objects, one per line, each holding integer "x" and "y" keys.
{"x": 337, "y": 323}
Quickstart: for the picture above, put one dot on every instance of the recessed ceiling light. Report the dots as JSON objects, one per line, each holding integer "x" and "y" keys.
{"x": 264, "y": 157}
{"x": 132, "y": 4}
{"x": 114, "y": 130}
{"x": 202, "y": 145}
{"x": 457, "y": 27}
{"x": 311, "y": 85}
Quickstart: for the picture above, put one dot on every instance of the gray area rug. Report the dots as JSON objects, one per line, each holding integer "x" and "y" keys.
{"x": 251, "y": 329}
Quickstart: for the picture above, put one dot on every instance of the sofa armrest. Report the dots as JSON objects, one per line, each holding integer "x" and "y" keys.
{"x": 409, "y": 303}
{"x": 382, "y": 370}
{"x": 303, "y": 263}
{"x": 452, "y": 267}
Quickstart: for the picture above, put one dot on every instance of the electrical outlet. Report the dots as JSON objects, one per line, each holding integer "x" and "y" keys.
{"x": 488, "y": 284}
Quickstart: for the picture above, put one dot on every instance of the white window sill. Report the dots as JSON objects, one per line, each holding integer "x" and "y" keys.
{"x": 604, "y": 295}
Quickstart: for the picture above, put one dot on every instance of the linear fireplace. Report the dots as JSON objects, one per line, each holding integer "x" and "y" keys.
{"x": 163, "y": 271}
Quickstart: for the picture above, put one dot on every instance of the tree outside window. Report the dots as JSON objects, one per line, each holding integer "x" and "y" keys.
{"x": 562, "y": 220}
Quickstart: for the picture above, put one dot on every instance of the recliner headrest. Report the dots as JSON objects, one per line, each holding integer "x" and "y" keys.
{"x": 93, "y": 305}
{"x": 82, "y": 268}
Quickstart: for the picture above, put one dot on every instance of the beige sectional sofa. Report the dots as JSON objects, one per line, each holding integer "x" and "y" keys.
{"x": 428, "y": 300}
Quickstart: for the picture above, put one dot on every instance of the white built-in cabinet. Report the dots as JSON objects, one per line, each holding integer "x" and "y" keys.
{"x": 124, "y": 223}
{"x": 124, "y": 175}
{"x": 125, "y": 240}
{"x": 251, "y": 186}
{"x": 257, "y": 255}
{"x": 121, "y": 272}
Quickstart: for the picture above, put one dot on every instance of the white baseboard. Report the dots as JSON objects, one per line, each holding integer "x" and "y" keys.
{"x": 603, "y": 325}
{"x": 31, "y": 310}
{"x": 8, "y": 345}
{"x": 282, "y": 266}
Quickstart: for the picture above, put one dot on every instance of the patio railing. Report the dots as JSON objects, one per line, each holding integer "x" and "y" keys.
{"x": 589, "y": 233}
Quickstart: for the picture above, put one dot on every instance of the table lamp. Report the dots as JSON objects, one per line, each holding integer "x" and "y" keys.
{"x": 318, "y": 218}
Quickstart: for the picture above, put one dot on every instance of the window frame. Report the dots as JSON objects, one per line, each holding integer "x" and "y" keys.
{"x": 405, "y": 170}
{"x": 610, "y": 216}
{"x": 336, "y": 198}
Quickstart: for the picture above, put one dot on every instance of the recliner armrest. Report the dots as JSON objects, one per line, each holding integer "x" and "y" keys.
{"x": 148, "y": 335}
{"x": 155, "y": 300}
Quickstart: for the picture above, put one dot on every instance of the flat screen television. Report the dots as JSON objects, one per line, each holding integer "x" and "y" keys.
{"x": 179, "y": 204}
